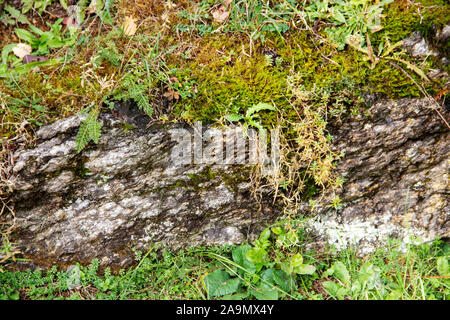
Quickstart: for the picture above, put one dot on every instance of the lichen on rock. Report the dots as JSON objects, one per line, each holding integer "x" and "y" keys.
{"x": 124, "y": 193}
{"x": 396, "y": 167}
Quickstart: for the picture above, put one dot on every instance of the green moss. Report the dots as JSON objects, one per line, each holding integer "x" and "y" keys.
{"x": 204, "y": 176}
{"x": 127, "y": 127}
{"x": 228, "y": 81}
{"x": 224, "y": 88}
{"x": 403, "y": 17}
{"x": 233, "y": 179}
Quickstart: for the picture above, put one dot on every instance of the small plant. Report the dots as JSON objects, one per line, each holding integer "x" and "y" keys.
{"x": 350, "y": 18}
{"x": 255, "y": 18}
{"x": 39, "y": 6}
{"x": 386, "y": 51}
{"x": 196, "y": 21}
{"x": 90, "y": 130}
{"x": 258, "y": 17}
{"x": 10, "y": 15}
{"x": 366, "y": 280}
{"x": 252, "y": 273}
{"x": 42, "y": 42}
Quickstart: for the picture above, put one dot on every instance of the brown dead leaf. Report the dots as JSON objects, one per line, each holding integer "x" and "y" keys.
{"x": 373, "y": 30}
{"x": 129, "y": 27}
{"x": 21, "y": 50}
{"x": 171, "y": 95}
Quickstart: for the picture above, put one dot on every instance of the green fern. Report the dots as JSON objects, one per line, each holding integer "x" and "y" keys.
{"x": 132, "y": 89}
{"x": 90, "y": 130}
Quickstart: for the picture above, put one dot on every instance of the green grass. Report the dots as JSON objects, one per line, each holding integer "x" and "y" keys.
{"x": 244, "y": 272}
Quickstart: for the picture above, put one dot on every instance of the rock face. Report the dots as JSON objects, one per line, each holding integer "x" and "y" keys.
{"x": 396, "y": 168}
{"x": 418, "y": 48}
{"x": 126, "y": 192}
{"x": 129, "y": 191}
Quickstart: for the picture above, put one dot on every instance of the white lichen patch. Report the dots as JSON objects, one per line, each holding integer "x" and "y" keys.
{"x": 364, "y": 234}
{"x": 211, "y": 201}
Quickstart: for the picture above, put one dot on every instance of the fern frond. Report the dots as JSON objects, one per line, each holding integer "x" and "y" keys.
{"x": 138, "y": 94}
{"x": 131, "y": 89}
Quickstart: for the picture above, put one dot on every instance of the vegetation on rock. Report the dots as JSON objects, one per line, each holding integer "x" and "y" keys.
{"x": 213, "y": 61}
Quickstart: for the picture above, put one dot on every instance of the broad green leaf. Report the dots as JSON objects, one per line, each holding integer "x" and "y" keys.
{"x": 42, "y": 49}
{"x": 341, "y": 272}
{"x": 6, "y": 51}
{"x": 331, "y": 287}
{"x": 334, "y": 289}
{"x": 264, "y": 292}
{"x": 297, "y": 260}
{"x": 296, "y": 266}
{"x": 258, "y": 256}
{"x": 366, "y": 272}
{"x": 277, "y": 230}
{"x": 356, "y": 287}
{"x": 286, "y": 282}
{"x": 264, "y": 235}
{"x": 305, "y": 269}
{"x": 267, "y": 276}
{"x": 36, "y": 30}
{"x": 328, "y": 273}
{"x": 55, "y": 43}
{"x": 25, "y": 35}
{"x": 394, "y": 295}
{"x": 46, "y": 36}
{"x": 219, "y": 283}
{"x": 240, "y": 257}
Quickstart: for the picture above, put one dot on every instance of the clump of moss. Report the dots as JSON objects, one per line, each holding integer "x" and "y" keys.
{"x": 404, "y": 17}
{"x": 231, "y": 82}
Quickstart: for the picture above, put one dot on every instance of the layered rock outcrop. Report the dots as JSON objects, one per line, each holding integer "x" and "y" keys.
{"x": 129, "y": 191}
